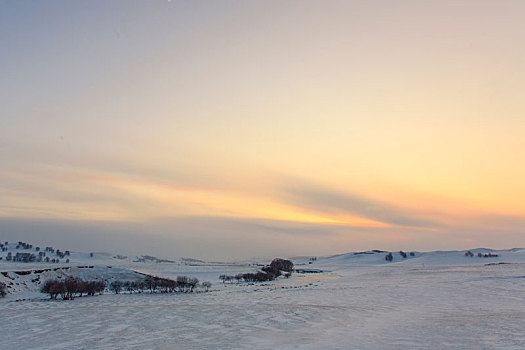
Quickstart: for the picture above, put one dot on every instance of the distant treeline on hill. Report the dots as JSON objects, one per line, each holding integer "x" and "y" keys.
{"x": 481, "y": 255}
{"x": 267, "y": 273}
{"x": 38, "y": 256}
{"x": 148, "y": 258}
{"x": 390, "y": 257}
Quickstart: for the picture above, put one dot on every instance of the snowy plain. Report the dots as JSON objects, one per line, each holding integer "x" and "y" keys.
{"x": 435, "y": 300}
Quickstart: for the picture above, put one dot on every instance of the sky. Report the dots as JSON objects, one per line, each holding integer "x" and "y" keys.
{"x": 238, "y": 129}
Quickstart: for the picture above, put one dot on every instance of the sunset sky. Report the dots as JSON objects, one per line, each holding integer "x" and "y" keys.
{"x": 234, "y": 129}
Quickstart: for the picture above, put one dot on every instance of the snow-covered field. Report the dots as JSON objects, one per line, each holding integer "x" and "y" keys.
{"x": 437, "y": 300}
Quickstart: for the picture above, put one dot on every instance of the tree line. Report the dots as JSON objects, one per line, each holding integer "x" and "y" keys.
{"x": 390, "y": 257}
{"x": 267, "y": 273}
{"x": 182, "y": 284}
{"x": 480, "y": 255}
{"x": 72, "y": 287}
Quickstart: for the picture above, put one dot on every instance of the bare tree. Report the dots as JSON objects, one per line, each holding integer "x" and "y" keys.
{"x": 167, "y": 284}
{"x": 116, "y": 286}
{"x": 182, "y": 283}
{"x": 53, "y": 287}
{"x": 141, "y": 285}
{"x": 192, "y": 283}
{"x": 93, "y": 287}
{"x": 3, "y": 290}
{"x": 72, "y": 286}
{"x": 151, "y": 283}
{"x": 281, "y": 265}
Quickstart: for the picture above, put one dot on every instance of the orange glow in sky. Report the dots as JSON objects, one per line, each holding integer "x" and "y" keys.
{"x": 366, "y": 120}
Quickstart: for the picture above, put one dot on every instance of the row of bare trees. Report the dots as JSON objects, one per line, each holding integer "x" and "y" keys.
{"x": 267, "y": 273}
{"x": 71, "y": 287}
{"x": 182, "y": 284}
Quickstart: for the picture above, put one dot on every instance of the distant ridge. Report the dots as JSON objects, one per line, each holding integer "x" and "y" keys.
{"x": 477, "y": 256}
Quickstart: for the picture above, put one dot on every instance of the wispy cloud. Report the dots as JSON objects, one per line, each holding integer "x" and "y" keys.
{"x": 333, "y": 202}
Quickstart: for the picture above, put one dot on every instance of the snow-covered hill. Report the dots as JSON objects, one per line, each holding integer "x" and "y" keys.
{"x": 22, "y": 255}
{"x": 25, "y": 278}
{"x": 479, "y": 256}
{"x": 428, "y": 300}
{"x": 27, "y": 282}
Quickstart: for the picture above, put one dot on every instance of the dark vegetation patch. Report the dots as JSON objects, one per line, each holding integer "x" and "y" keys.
{"x": 23, "y": 273}
{"x": 69, "y": 288}
{"x": 3, "y": 290}
{"x": 72, "y": 287}
{"x": 497, "y": 263}
{"x": 481, "y": 255}
{"x": 404, "y": 255}
{"x": 308, "y": 271}
{"x": 149, "y": 258}
{"x": 267, "y": 273}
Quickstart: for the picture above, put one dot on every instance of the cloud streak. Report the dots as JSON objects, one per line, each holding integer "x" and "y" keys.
{"x": 331, "y": 201}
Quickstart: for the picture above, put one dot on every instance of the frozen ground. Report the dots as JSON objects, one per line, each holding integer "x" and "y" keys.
{"x": 439, "y": 300}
